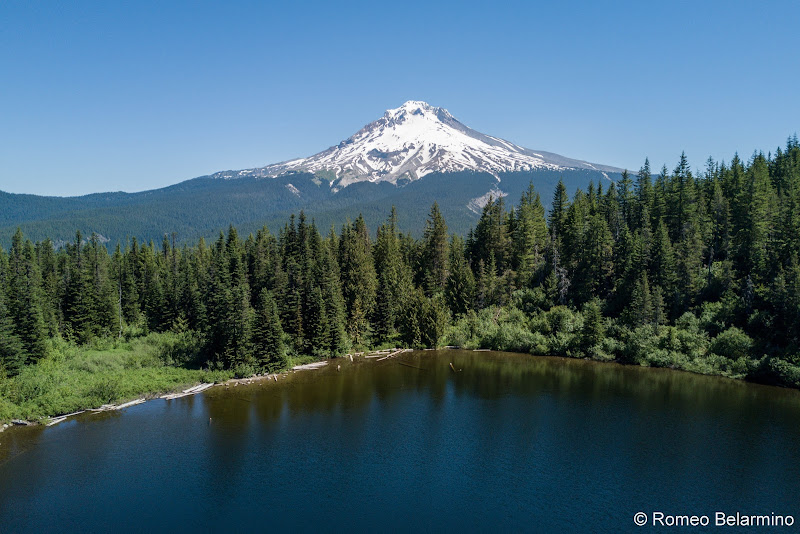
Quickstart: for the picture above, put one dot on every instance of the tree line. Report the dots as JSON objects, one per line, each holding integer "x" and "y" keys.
{"x": 637, "y": 254}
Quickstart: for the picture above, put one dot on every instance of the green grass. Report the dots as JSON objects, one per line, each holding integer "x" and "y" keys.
{"x": 111, "y": 371}
{"x": 77, "y": 378}
{"x": 293, "y": 360}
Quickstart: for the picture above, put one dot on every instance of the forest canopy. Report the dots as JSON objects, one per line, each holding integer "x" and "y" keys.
{"x": 699, "y": 272}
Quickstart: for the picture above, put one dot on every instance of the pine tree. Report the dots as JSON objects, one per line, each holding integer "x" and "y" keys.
{"x": 12, "y": 355}
{"x": 753, "y": 224}
{"x": 529, "y": 237}
{"x": 640, "y": 312}
{"x": 460, "y": 288}
{"x": 433, "y": 319}
{"x": 626, "y": 199}
{"x": 558, "y": 212}
{"x": 644, "y": 195}
{"x": 239, "y": 326}
{"x": 268, "y": 345}
{"x": 720, "y": 223}
{"x": 595, "y": 266}
{"x": 359, "y": 283}
{"x": 385, "y": 309}
{"x": 394, "y": 277}
{"x": 435, "y": 253}
{"x": 662, "y": 269}
{"x": 47, "y": 262}
{"x": 330, "y": 282}
{"x": 24, "y": 298}
{"x": 593, "y": 331}
{"x": 626, "y": 264}
{"x": 101, "y": 301}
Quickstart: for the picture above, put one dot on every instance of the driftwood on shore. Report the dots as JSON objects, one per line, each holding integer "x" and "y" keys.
{"x": 62, "y": 418}
{"x": 381, "y": 355}
{"x": 187, "y": 392}
{"x": 315, "y": 365}
{"x": 395, "y": 353}
{"x": 131, "y": 403}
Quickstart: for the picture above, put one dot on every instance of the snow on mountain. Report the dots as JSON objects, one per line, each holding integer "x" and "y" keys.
{"x": 414, "y": 140}
{"x": 477, "y": 204}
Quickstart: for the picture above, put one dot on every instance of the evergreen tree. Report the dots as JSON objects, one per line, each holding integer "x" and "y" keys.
{"x": 435, "y": 254}
{"x": 460, "y": 288}
{"x": 644, "y": 195}
{"x": 332, "y": 293}
{"x": 359, "y": 282}
{"x": 662, "y": 270}
{"x": 753, "y": 223}
{"x": 529, "y": 237}
{"x": 490, "y": 239}
{"x": 12, "y": 356}
{"x": 268, "y": 345}
{"x": 626, "y": 199}
{"x": 24, "y": 298}
{"x": 395, "y": 278}
{"x": 593, "y": 331}
{"x": 640, "y": 312}
{"x": 558, "y": 212}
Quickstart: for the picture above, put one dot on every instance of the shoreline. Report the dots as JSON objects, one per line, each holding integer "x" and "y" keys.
{"x": 199, "y": 388}
{"x": 374, "y": 355}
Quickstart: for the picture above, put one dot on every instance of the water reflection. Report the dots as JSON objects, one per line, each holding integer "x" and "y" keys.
{"x": 503, "y": 440}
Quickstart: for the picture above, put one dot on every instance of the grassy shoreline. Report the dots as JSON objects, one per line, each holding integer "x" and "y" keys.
{"x": 74, "y": 378}
{"x": 110, "y": 371}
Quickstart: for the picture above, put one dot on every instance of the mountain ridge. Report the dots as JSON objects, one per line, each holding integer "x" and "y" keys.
{"x": 411, "y": 141}
{"x": 409, "y": 158}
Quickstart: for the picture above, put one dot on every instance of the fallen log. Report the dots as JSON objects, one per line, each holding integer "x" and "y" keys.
{"x": 131, "y": 403}
{"x": 315, "y": 365}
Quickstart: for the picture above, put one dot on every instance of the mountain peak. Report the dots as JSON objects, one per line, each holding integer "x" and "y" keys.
{"x": 413, "y": 140}
{"x": 413, "y": 106}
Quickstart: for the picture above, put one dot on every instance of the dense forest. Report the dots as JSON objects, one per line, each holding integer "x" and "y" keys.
{"x": 699, "y": 272}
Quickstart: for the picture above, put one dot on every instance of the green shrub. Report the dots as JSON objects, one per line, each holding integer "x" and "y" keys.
{"x": 563, "y": 344}
{"x": 106, "y": 388}
{"x": 530, "y": 301}
{"x": 510, "y": 337}
{"x": 732, "y": 343}
{"x": 540, "y": 345}
{"x": 243, "y": 370}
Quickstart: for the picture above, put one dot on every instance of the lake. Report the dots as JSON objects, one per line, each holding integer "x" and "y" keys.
{"x": 506, "y": 442}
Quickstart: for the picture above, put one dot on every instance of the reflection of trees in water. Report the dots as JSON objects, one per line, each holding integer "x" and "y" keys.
{"x": 491, "y": 375}
{"x": 227, "y": 448}
{"x": 534, "y": 421}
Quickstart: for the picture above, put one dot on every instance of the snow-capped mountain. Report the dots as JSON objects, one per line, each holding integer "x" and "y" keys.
{"x": 423, "y": 150}
{"x": 414, "y": 140}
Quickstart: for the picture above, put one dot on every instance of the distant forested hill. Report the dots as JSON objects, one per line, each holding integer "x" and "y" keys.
{"x": 204, "y": 206}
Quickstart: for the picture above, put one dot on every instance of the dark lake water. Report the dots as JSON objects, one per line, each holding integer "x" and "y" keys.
{"x": 508, "y": 443}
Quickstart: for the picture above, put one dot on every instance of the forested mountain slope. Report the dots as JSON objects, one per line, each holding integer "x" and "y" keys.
{"x": 203, "y": 206}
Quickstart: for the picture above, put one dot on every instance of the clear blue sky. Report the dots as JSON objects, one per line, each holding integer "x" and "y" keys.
{"x": 107, "y": 96}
